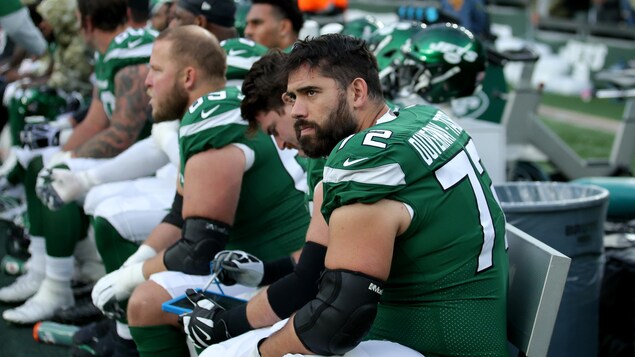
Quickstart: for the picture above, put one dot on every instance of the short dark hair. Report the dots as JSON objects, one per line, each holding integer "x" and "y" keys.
{"x": 105, "y": 15}
{"x": 288, "y": 9}
{"x": 139, "y": 10}
{"x": 263, "y": 87}
{"x": 340, "y": 57}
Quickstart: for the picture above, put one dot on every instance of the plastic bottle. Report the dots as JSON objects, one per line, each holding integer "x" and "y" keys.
{"x": 12, "y": 265}
{"x": 54, "y": 333}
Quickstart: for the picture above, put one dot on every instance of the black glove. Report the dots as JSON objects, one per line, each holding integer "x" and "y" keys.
{"x": 203, "y": 325}
{"x": 238, "y": 267}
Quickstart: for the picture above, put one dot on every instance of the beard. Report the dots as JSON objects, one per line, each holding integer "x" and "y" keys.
{"x": 339, "y": 124}
{"x": 173, "y": 106}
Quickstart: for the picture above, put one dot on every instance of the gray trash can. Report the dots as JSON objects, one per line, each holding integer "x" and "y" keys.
{"x": 569, "y": 218}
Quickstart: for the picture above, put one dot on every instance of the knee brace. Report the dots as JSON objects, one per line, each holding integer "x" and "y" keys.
{"x": 201, "y": 239}
{"x": 341, "y": 314}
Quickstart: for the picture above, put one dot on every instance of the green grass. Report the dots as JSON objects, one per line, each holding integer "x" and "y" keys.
{"x": 608, "y": 108}
{"x": 588, "y": 143}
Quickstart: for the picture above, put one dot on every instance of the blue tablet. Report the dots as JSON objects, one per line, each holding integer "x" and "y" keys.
{"x": 181, "y": 304}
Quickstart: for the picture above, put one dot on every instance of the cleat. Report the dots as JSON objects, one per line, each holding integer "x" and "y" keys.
{"x": 42, "y": 306}
{"x": 22, "y": 288}
{"x": 94, "y": 330}
{"x": 95, "y": 339}
{"x": 82, "y": 313}
{"x": 124, "y": 348}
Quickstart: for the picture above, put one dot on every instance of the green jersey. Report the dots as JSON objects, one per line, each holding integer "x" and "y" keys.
{"x": 447, "y": 289}
{"x": 314, "y": 171}
{"x": 241, "y": 55}
{"x": 130, "y": 47}
{"x": 270, "y": 221}
{"x": 10, "y": 6}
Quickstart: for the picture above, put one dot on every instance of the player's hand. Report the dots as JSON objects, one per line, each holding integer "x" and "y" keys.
{"x": 238, "y": 267}
{"x": 56, "y": 187}
{"x": 202, "y": 325}
{"x": 116, "y": 286}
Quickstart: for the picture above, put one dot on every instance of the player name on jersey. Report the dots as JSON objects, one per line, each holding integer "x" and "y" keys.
{"x": 435, "y": 137}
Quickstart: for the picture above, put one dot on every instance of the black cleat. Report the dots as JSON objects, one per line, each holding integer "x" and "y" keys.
{"x": 92, "y": 331}
{"x": 82, "y": 313}
{"x": 95, "y": 339}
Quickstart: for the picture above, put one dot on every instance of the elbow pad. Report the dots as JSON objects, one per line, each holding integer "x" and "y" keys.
{"x": 201, "y": 239}
{"x": 293, "y": 291}
{"x": 341, "y": 314}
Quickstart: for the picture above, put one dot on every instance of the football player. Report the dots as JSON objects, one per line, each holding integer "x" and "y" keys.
{"x": 237, "y": 191}
{"x": 217, "y": 18}
{"x": 115, "y": 120}
{"x": 291, "y": 286}
{"x": 398, "y": 267}
{"x": 274, "y": 23}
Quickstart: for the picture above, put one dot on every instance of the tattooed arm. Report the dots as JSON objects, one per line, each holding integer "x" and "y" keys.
{"x": 95, "y": 121}
{"x": 128, "y": 117}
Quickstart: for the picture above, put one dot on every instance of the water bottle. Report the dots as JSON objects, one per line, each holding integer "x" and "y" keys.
{"x": 54, "y": 333}
{"x": 12, "y": 265}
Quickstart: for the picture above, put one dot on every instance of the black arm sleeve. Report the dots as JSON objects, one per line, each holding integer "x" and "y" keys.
{"x": 293, "y": 291}
{"x": 175, "y": 216}
{"x": 274, "y": 270}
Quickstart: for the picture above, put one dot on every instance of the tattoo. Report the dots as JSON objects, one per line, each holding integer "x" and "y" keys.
{"x": 128, "y": 118}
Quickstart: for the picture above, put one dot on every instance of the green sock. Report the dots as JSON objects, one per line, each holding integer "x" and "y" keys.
{"x": 34, "y": 206}
{"x": 159, "y": 341}
{"x": 63, "y": 229}
{"x": 113, "y": 248}
{"x": 16, "y": 175}
{"x": 16, "y": 119}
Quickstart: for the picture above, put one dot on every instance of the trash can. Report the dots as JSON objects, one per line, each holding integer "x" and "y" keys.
{"x": 569, "y": 218}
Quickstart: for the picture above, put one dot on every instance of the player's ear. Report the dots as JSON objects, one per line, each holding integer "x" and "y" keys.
{"x": 189, "y": 77}
{"x": 200, "y": 21}
{"x": 286, "y": 27}
{"x": 359, "y": 89}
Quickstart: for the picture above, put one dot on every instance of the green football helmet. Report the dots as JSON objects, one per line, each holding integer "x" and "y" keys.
{"x": 45, "y": 101}
{"x": 387, "y": 45}
{"x": 241, "y": 55}
{"x": 443, "y": 62}
{"x": 362, "y": 27}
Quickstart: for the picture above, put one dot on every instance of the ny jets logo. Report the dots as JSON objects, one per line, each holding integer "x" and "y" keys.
{"x": 207, "y": 113}
{"x": 350, "y": 162}
{"x": 205, "y": 6}
{"x": 453, "y": 54}
{"x": 134, "y": 43}
{"x": 233, "y": 52}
